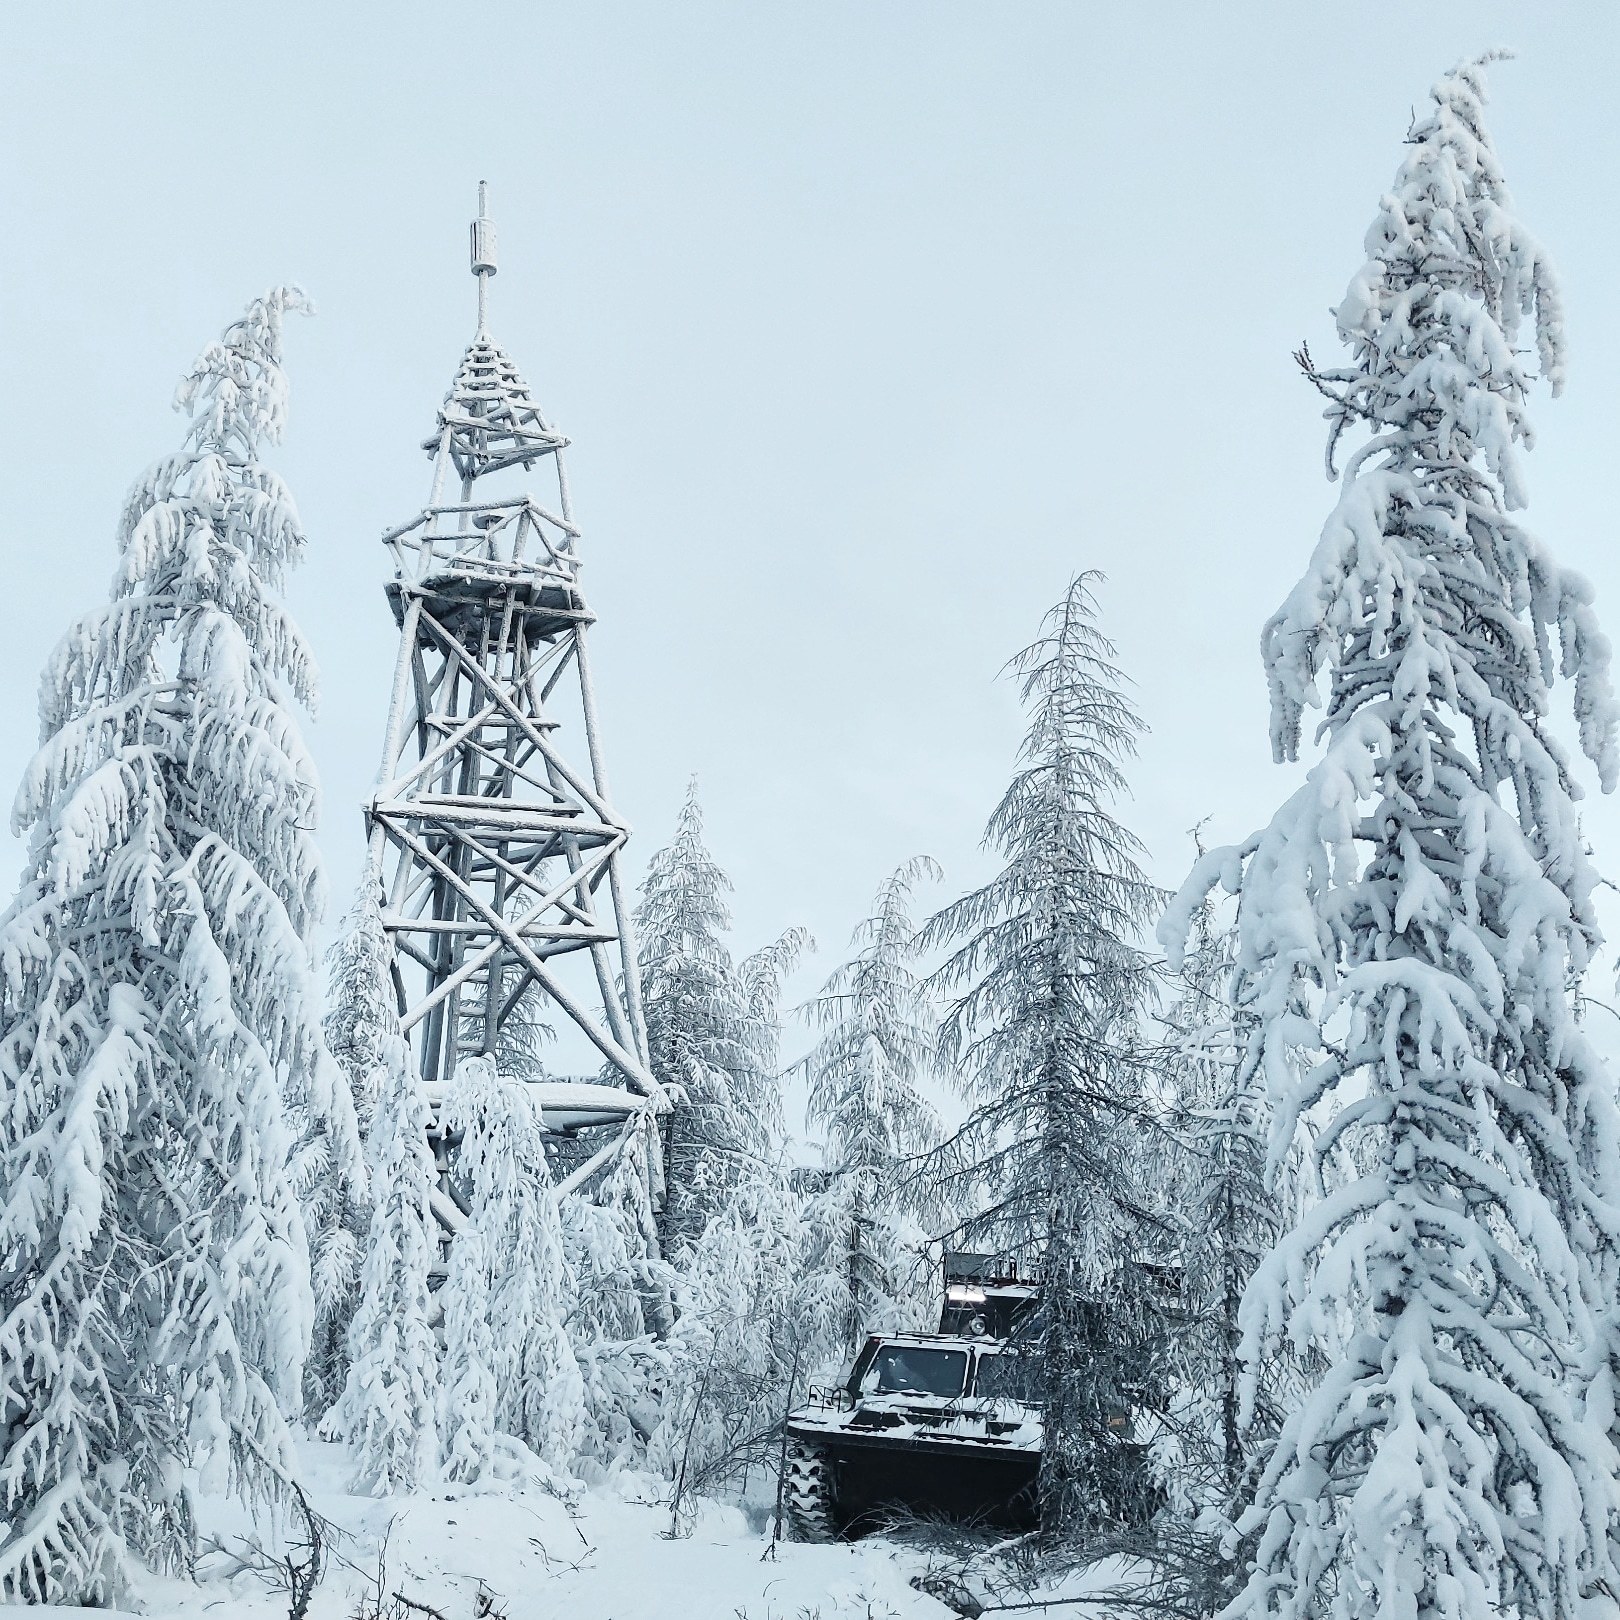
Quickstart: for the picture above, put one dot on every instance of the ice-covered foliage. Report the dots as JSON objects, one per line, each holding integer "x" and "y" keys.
{"x": 159, "y": 1019}
{"x": 752, "y": 1325}
{"x": 1043, "y": 1036}
{"x": 879, "y": 1026}
{"x": 1412, "y": 923}
{"x": 469, "y": 1394}
{"x": 362, "y": 1019}
{"x": 541, "y": 1397}
{"x": 712, "y": 1031}
{"x": 363, "y": 1035}
{"x": 621, "y": 1312}
{"x": 386, "y": 1409}
{"x": 758, "y": 1082}
{"x": 1232, "y": 1212}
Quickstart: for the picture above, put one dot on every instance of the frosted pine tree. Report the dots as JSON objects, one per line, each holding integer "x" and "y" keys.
{"x": 693, "y": 1023}
{"x": 711, "y": 1030}
{"x": 541, "y": 1397}
{"x": 159, "y": 1019}
{"x": 386, "y": 1409}
{"x": 1043, "y": 1037}
{"x": 879, "y": 1027}
{"x": 1412, "y": 923}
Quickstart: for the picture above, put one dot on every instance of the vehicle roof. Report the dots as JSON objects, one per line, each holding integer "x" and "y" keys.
{"x": 938, "y": 1341}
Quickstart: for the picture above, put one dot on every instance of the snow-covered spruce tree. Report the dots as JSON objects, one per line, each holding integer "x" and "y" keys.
{"x": 159, "y": 1019}
{"x": 711, "y": 1028}
{"x": 386, "y": 1409}
{"x": 525, "y": 1031}
{"x": 363, "y": 1035}
{"x": 1043, "y": 1037}
{"x": 1413, "y": 921}
{"x": 541, "y": 1396}
{"x": 879, "y": 1027}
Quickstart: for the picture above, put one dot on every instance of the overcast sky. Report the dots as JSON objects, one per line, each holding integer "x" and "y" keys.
{"x": 871, "y": 324}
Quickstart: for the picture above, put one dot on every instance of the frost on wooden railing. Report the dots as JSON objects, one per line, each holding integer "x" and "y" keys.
{"x": 515, "y": 541}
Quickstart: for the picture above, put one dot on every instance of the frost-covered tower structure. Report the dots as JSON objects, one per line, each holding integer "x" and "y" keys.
{"x": 491, "y": 827}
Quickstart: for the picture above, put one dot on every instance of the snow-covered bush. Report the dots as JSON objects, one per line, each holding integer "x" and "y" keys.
{"x": 752, "y": 1326}
{"x": 622, "y": 1311}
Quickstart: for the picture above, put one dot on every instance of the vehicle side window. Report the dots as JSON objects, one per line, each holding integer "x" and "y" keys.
{"x": 1006, "y": 1375}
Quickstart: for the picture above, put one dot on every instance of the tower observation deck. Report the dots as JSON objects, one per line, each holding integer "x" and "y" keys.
{"x": 492, "y": 829}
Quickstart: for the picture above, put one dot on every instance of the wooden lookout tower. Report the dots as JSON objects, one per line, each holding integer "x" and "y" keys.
{"x": 492, "y": 829}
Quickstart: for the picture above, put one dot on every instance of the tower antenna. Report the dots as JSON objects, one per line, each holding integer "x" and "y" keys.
{"x": 484, "y": 263}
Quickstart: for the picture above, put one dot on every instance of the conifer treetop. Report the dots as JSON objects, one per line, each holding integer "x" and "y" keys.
{"x": 1439, "y": 383}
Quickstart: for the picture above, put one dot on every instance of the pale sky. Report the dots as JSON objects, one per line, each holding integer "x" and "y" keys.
{"x": 871, "y": 323}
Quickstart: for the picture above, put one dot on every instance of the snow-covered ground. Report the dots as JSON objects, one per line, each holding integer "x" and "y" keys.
{"x": 606, "y": 1558}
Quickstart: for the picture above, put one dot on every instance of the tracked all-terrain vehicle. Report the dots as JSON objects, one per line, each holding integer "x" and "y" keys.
{"x": 944, "y": 1425}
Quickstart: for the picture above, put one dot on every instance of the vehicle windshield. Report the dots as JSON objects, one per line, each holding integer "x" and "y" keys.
{"x": 1008, "y": 1376}
{"x": 913, "y": 1370}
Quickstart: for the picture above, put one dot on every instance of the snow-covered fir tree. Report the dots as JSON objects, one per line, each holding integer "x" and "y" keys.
{"x": 525, "y": 1033}
{"x": 879, "y": 1026}
{"x": 1412, "y": 923}
{"x": 159, "y": 1018}
{"x": 386, "y": 1410}
{"x": 712, "y": 1029}
{"x": 1043, "y": 1037}
{"x": 512, "y": 1206}
{"x": 732, "y": 1222}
